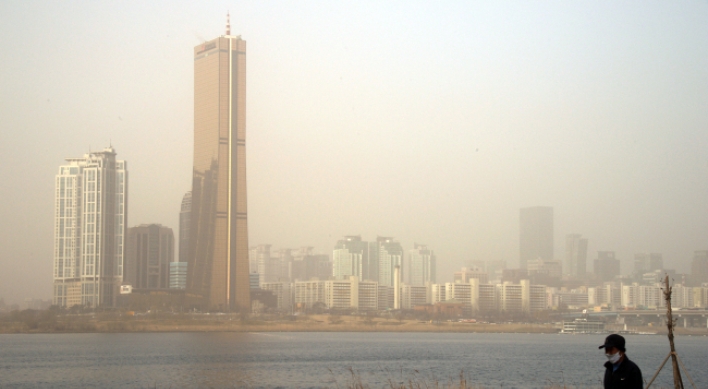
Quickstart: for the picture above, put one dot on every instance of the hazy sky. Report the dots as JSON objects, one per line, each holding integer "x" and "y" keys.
{"x": 431, "y": 122}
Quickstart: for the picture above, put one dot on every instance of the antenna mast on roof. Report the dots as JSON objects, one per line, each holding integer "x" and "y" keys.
{"x": 228, "y": 23}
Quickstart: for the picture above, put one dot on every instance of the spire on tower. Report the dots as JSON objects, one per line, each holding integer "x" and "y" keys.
{"x": 228, "y": 23}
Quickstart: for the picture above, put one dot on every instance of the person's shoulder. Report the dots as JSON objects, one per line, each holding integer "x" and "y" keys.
{"x": 630, "y": 364}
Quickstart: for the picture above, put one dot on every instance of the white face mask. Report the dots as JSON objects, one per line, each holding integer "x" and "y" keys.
{"x": 613, "y": 358}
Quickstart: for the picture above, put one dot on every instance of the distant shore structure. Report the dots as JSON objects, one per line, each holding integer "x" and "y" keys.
{"x": 218, "y": 268}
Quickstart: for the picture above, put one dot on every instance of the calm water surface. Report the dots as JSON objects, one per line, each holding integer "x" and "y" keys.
{"x": 323, "y": 360}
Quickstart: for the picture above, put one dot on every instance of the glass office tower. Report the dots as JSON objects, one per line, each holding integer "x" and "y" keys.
{"x": 218, "y": 245}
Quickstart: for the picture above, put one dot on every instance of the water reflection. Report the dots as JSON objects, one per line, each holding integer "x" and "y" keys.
{"x": 307, "y": 360}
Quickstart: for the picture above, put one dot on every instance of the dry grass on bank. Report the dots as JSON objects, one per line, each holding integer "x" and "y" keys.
{"x": 186, "y": 323}
{"x": 45, "y": 322}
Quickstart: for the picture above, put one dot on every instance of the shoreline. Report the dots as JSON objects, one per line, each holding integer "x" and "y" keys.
{"x": 311, "y": 324}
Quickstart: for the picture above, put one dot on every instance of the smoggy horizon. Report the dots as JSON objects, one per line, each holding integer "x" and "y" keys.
{"x": 429, "y": 123}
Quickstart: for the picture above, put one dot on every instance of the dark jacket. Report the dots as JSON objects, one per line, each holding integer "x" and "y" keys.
{"x": 627, "y": 376}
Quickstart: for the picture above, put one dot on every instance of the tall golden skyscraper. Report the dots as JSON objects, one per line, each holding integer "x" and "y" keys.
{"x": 218, "y": 249}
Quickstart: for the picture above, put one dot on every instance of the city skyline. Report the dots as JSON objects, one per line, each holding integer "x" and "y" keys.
{"x": 596, "y": 110}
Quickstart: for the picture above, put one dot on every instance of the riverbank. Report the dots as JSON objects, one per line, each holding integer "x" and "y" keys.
{"x": 312, "y": 323}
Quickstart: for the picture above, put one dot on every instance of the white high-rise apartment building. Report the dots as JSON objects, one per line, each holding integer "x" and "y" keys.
{"x": 89, "y": 229}
{"x": 348, "y": 258}
{"x": 390, "y": 256}
{"x": 421, "y": 265}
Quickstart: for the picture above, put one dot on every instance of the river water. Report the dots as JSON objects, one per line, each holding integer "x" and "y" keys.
{"x": 324, "y": 360}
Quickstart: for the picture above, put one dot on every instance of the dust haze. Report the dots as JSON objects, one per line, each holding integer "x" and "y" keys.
{"x": 430, "y": 123}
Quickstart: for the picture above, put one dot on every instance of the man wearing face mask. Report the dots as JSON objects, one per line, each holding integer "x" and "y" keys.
{"x": 620, "y": 372}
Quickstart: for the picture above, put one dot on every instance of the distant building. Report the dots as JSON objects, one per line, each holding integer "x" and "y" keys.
{"x": 412, "y": 295}
{"x": 184, "y": 226}
{"x": 699, "y": 268}
{"x": 306, "y": 265}
{"x": 178, "y": 275}
{"x": 647, "y": 263}
{"x": 90, "y": 219}
{"x": 283, "y": 264}
{"x": 460, "y": 292}
{"x": 494, "y": 268}
{"x": 349, "y": 258}
{"x": 262, "y": 300}
{"x": 368, "y": 299}
{"x": 36, "y": 304}
{"x": 700, "y": 297}
{"x": 522, "y": 298}
{"x": 421, "y": 267}
{"x": 607, "y": 295}
{"x": 438, "y": 293}
{"x": 310, "y": 293}
{"x": 488, "y": 298}
{"x": 656, "y": 276}
{"x": 512, "y": 297}
{"x": 607, "y": 267}
{"x": 390, "y": 255}
{"x": 514, "y": 276}
{"x": 642, "y": 296}
{"x": 576, "y": 253}
{"x": 535, "y": 234}
{"x": 571, "y": 299}
{"x": 150, "y": 250}
{"x": 255, "y": 281}
{"x": 283, "y": 292}
{"x": 268, "y": 268}
{"x": 479, "y": 297}
{"x": 385, "y": 297}
{"x": 465, "y": 274}
{"x": 544, "y": 272}
{"x": 343, "y": 294}
{"x": 683, "y": 297}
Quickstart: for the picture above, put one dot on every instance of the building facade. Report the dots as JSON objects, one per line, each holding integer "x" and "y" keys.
{"x": 390, "y": 255}
{"x": 576, "y": 254}
{"x": 218, "y": 249}
{"x": 178, "y": 275}
{"x": 283, "y": 292}
{"x": 421, "y": 266}
{"x": 413, "y": 295}
{"x": 150, "y": 250}
{"x": 535, "y": 234}
{"x": 468, "y": 273}
{"x": 544, "y": 272}
{"x": 606, "y": 266}
{"x": 91, "y": 201}
{"x": 647, "y": 263}
{"x": 307, "y": 265}
{"x": 184, "y": 225}
{"x": 349, "y": 258}
{"x": 699, "y": 268}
